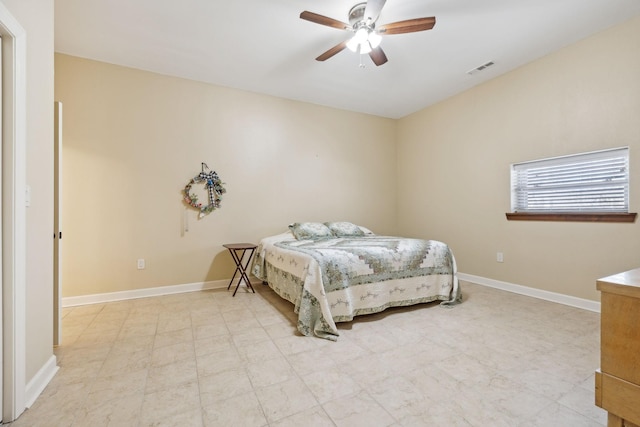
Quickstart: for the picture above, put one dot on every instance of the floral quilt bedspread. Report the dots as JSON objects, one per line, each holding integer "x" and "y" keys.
{"x": 333, "y": 280}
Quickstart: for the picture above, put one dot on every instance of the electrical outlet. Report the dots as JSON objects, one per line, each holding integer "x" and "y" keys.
{"x": 500, "y": 257}
{"x": 141, "y": 264}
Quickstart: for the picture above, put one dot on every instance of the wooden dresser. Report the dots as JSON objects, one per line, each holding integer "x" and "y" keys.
{"x": 618, "y": 380}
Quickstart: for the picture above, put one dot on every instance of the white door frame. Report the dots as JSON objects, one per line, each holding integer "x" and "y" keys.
{"x": 14, "y": 55}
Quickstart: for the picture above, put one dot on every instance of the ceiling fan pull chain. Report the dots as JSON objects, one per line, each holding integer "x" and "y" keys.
{"x": 361, "y": 63}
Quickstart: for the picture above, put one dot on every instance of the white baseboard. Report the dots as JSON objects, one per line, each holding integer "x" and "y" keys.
{"x": 582, "y": 303}
{"x": 40, "y": 380}
{"x": 148, "y": 292}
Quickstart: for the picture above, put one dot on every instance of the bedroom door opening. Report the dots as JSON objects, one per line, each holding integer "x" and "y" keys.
{"x": 57, "y": 227}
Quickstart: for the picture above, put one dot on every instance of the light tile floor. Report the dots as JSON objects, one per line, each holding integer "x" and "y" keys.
{"x": 207, "y": 359}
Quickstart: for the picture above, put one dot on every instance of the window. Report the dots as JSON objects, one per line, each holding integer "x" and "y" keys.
{"x": 590, "y": 184}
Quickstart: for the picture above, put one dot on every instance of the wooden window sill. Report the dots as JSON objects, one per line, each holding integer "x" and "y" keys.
{"x": 582, "y": 217}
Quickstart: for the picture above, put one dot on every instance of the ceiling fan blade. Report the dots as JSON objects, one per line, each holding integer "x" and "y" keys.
{"x": 324, "y": 20}
{"x": 408, "y": 26}
{"x": 373, "y": 9}
{"x": 336, "y": 49}
{"x": 377, "y": 56}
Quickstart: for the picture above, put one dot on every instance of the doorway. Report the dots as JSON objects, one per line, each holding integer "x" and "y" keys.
{"x": 57, "y": 227}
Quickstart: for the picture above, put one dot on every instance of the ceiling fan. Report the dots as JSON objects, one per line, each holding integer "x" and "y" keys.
{"x": 367, "y": 37}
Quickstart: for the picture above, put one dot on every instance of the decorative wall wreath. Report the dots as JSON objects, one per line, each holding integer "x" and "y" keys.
{"x": 215, "y": 190}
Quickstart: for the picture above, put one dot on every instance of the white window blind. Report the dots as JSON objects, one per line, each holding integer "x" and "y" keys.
{"x": 583, "y": 183}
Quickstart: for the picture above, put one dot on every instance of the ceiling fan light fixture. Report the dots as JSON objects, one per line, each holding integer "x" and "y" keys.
{"x": 364, "y": 41}
{"x": 358, "y": 40}
{"x": 353, "y": 44}
{"x": 374, "y": 39}
{"x": 362, "y": 35}
{"x": 365, "y": 48}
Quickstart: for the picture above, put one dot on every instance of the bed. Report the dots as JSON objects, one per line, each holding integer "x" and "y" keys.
{"x": 335, "y": 271}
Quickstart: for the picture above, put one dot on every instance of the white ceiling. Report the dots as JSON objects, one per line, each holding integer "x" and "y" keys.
{"x": 263, "y": 46}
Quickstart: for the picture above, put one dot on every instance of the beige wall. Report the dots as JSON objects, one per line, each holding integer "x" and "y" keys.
{"x": 134, "y": 139}
{"x": 36, "y": 17}
{"x": 454, "y": 158}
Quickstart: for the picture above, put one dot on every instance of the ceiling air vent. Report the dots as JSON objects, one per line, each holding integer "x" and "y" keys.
{"x": 482, "y": 67}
